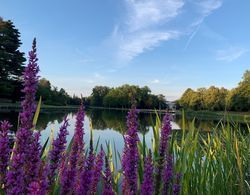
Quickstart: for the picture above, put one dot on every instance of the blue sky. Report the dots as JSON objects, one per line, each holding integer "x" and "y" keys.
{"x": 168, "y": 45}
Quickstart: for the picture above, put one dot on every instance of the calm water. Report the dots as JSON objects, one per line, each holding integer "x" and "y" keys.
{"x": 108, "y": 125}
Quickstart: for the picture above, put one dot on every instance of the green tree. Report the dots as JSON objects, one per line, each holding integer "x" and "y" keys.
{"x": 239, "y": 97}
{"x": 214, "y": 98}
{"x": 186, "y": 98}
{"x": 11, "y": 60}
{"x": 44, "y": 89}
{"x": 98, "y": 93}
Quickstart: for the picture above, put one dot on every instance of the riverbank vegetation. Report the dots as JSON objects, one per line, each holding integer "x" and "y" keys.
{"x": 219, "y": 99}
{"x": 120, "y": 97}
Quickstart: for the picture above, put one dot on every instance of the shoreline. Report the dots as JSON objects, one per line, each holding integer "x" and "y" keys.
{"x": 202, "y": 114}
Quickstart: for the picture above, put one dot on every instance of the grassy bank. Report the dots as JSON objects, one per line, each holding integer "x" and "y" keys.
{"x": 7, "y": 107}
{"x": 241, "y": 117}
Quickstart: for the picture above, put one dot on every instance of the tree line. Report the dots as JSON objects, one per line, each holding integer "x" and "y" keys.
{"x": 53, "y": 96}
{"x": 124, "y": 96}
{"x": 218, "y": 99}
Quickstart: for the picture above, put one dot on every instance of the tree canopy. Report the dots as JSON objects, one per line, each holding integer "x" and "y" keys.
{"x": 122, "y": 96}
{"x": 216, "y": 99}
{"x": 11, "y": 60}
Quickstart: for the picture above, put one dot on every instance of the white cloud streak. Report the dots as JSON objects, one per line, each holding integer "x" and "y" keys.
{"x": 140, "y": 31}
{"x": 155, "y": 81}
{"x": 145, "y": 13}
{"x": 205, "y": 8}
{"x": 146, "y": 24}
{"x": 230, "y": 54}
{"x": 133, "y": 45}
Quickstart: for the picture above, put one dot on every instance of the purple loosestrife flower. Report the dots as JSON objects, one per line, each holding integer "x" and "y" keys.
{"x": 17, "y": 180}
{"x": 34, "y": 189}
{"x": 26, "y": 157}
{"x": 165, "y": 133}
{"x": 69, "y": 173}
{"x": 4, "y": 151}
{"x": 17, "y": 176}
{"x": 177, "y": 185}
{"x": 97, "y": 171}
{"x": 40, "y": 185}
{"x": 168, "y": 174}
{"x": 86, "y": 176}
{"x": 43, "y": 178}
{"x": 130, "y": 156}
{"x": 34, "y": 159}
{"x": 79, "y": 131}
{"x": 147, "y": 186}
{"x": 30, "y": 86}
{"x": 107, "y": 179}
{"x": 58, "y": 147}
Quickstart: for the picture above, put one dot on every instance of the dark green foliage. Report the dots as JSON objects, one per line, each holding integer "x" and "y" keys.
{"x": 98, "y": 94}
{"x": 121, "y": 97}
{"x": 53, "y": 96}
{"x": 11, "y": 61}
{"x": 219, "y": 99}
{"x": 239, "y": 97}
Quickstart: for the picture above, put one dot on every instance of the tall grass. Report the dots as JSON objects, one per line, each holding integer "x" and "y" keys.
{"x": 217, "y": 162}
{"x": 214, "y": 163}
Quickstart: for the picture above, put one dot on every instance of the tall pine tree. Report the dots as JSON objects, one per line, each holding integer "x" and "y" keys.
{"x": 11, "y": 61}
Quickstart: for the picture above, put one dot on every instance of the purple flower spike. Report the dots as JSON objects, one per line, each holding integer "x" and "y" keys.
{"x": 58, "y": 147}
{"x": 97, "y": 171}
{"x": 18, "y": 176}
{"x": 148, "y": 183}
{"x": 30, "y": 86}
{"x": 165, "y": 133}
{"x": 107, "y": 179}
{"x": 130, "y": 156}
{"x": 79, "y": 131}
{"x": 168, "y": 174}
{"x": 34, "y": 159}
{"x": 177, "y": 186}
{"x": 4, "y": 150}
{"x": 40, "y": 185}
{"x": 34, "y": 189}
{"x": 69, "y": 173}
{"x": 44, "y": 178}
{"x": 86, "y": 176}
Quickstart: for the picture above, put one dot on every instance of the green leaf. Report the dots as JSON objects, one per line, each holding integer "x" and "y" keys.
{"x": 44, "y": 147}
{"x": 37, "y": 112}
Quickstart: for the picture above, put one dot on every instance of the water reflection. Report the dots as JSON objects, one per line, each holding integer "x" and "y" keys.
{"x": 108, "y": 125}
{"x": 111, "y": 119}
{"x": 116, "y": 120}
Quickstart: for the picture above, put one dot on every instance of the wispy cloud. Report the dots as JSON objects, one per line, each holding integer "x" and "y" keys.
{"x": 208, "y": 6}
{"x": 147, "y": 13}
{"x": 140, "y": 30}
{"x": 205, "y": 8}
{"x": 155, "y": 81}
{"x": 148, "y": 23}
{"x": 138, "y": 43}
{"x": 230, "y": 54}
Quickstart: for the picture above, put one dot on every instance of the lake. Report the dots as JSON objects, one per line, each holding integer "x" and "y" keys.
{"x": 108, "y": 125}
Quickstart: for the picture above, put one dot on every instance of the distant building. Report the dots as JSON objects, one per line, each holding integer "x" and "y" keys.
{"x": 171, "y": 105}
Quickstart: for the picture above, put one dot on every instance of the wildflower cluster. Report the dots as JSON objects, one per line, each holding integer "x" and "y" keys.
{"x": 24, "y": 169}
